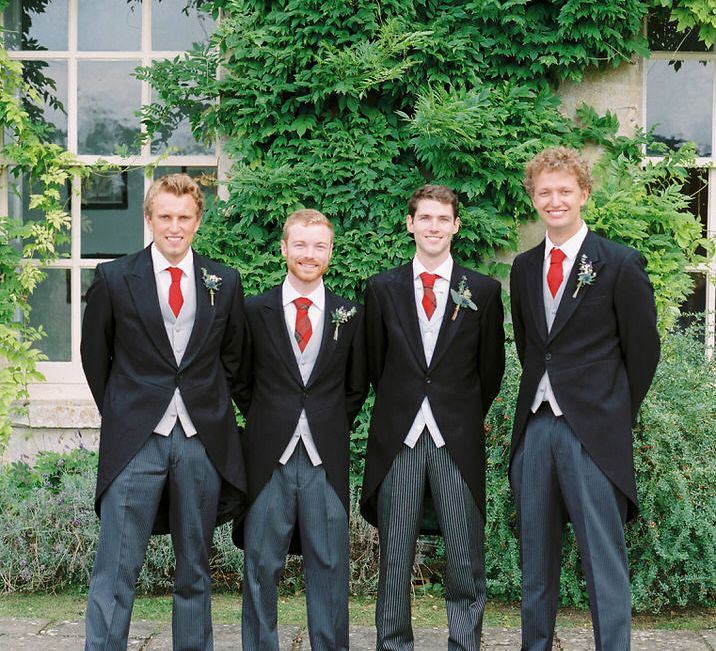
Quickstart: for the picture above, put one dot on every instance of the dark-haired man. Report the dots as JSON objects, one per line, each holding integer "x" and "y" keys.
{"x": 436, "y": 358}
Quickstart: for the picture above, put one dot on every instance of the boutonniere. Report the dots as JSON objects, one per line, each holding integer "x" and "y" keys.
{"x": 586, "y": 275}
{"x": 211, "y": 282}
{"x": 339, "y": 316}
{"x": 462, "y": 297}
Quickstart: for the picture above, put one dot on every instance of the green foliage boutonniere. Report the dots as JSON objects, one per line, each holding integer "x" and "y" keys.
{"x": 462, "y": 297}
{"x": 586, "y": 275}
{"x": 339, "y": 316}
{"x": 211, "y": 282}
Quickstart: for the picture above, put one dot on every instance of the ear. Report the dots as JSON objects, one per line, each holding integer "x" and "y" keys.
{"x": 409, "y": 223}
{"x": 585, "y": 197}
{"x": 456, "y": 225}
{"x": 284, "y": 249}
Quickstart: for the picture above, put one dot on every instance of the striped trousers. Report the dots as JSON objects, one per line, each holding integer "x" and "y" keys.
{"x": 400, "y": 509}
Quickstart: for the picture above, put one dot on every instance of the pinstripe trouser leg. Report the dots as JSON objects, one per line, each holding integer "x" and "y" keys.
{"x": 128, "y": 509}
{"x": 554, "y": 479}
{"x": 400, "y": 501}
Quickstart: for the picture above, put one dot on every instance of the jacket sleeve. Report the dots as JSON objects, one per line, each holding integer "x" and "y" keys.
{"x": 636, "y": 319}
{"x": 97, "y": 346}
{"x": 357, "y": 382}
{"x": 492, "y": 348}
{"x": 518, "y": 326}
{"x": 234, "y": 350}
{"x": 375, "y": 335}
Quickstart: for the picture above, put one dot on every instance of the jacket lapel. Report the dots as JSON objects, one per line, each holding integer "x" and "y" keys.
{"x": 448, "y": 328}
{"x": 535, "y": 291}
{"x": 142, "y": 287}
{"x": 205, "y": 311}
{"x": 402, "y": 293}
{"x": 328, "y": 343}
{"x": 569, "y": 304}
{"x": 275, "y": 322}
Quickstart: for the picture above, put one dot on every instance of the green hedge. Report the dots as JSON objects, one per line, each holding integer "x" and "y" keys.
{"x": 48, "y": 527}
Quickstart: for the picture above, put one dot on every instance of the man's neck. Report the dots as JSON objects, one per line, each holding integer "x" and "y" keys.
{"x": 303, "y": 288}
{"x": 431, "y": 263}
{"x": 559, "y": 236}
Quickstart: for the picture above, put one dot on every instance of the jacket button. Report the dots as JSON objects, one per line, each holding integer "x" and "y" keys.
{"x": 547, "y": 357}
{"x": 428, "y": 380}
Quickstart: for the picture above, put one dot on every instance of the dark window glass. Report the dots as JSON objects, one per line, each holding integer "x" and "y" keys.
{"x": 663, "y": 35}
{"x": 112, "y": 214}
{"x": 50, "y": 309}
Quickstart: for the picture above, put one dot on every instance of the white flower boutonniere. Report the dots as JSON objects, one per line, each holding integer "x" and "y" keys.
{"x": 586, "y": 275}
{"x": 462, "y": 297}
{"x": 211, "y": 282}
{"x": 339, "y": 316}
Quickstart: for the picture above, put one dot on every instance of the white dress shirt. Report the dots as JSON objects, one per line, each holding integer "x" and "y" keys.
{"x": 570, "y": 248}
{"x": 178, "y": 330}
{"x": 306, "y": 360}
{"x": 429, "y": 331}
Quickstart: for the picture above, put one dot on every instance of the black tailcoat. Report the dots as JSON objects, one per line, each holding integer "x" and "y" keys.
{"x": 601, "y": 352}
{"x": 461, "y": 381}
{"x": 273, "y": 394}
{"x": 132, "y": 371}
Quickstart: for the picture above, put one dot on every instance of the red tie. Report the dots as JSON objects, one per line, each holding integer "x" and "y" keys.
{"x": 429, "y": 300}
{"x": 555, "y": 274}
{"x": 303, "y": 330}
{"x": 176, "y": 300}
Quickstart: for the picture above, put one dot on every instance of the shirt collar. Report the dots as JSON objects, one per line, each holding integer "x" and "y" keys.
{"x": 444, "y": 270}
{"x": 161, "y": 263}
{"x": 571, "y": 247}
{"x": 317, "y": 296}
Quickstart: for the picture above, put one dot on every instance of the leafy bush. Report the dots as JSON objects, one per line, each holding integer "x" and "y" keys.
{"x": 48, "y": 528}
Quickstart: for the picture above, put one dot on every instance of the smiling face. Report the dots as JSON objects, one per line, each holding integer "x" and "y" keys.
{"x": 174, "y": 220}
{"x": 433, "y": 225}
{"x": 307, "y": 250}
{"x": 559, "y": 199}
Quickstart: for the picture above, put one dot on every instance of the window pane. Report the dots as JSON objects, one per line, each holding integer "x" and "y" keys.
{"x": 112, "y": 216}
{"x": 86, "y": 278}
{"x": 18, "y": 207}
{"x": 107, "y": 100}
{"x": 664, "y": 36}
{"x": 109, "y": 25}
{"x": 679, "y": 102}
{"x": 178, "y": 136}
{"x": 205, "y": 177}
{"x": 36, "y": 25}
{"x": 694, "y": 307}
{"x": 696, "y": 187}
{"x": 177, "y": 24}
{"x": 50, "y": 308}
{"x": 49, "y": 79}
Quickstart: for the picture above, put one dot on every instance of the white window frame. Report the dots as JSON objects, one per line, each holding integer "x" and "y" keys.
{"x": 703, "y": 162}
{"x": 65, "y": 380}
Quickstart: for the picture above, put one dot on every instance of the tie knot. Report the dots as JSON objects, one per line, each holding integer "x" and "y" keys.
{"x": 557, "y": 255}
{"x": 428, "y": 279}
{"x": 175, "y": 272}
{"x": 302, "y": 303}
